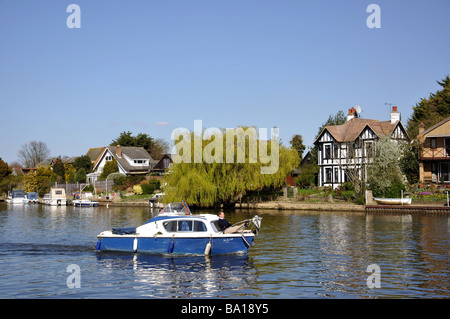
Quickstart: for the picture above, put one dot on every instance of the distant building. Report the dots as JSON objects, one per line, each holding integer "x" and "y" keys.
{"x": 94, "y": 154}
{"x": 434, "y": 153}
{"x": 130, "y": 160}
{"x": 348, "y": 146}
{"x": 163, "y": 164}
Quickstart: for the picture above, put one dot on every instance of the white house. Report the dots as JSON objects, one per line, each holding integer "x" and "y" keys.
{"x": 348, "y": 146}
{"x": 130, "y": 160}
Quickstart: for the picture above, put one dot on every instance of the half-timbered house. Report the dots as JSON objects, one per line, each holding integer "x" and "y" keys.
{"x": 347, "y": 148}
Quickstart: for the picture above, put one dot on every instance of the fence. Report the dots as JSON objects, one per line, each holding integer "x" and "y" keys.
{"x": 99, "y": 186}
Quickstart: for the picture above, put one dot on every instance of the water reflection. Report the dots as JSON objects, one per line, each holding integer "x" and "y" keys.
{"x": 182, "y": 277}
{"x": 296, "y": 255}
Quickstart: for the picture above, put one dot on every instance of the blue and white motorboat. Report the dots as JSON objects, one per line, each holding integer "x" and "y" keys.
{"x": 16, "y": 197}
{"x": 31, "y": 198}
{"x": 176, "y": 231}
{"x": 84, "y": 203}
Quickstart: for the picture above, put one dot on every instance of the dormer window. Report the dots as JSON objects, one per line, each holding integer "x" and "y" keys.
{"x": 140, "y": 162}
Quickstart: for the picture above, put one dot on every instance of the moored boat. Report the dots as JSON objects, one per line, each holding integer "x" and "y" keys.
{"x": 393, "y": 201}
{"x": 176, "y": 231}
{"x": 84, "y": 203}
{"x": 31, "y": 198}
{"x": 56, "y": 197}
{"x": 16, "y": 197}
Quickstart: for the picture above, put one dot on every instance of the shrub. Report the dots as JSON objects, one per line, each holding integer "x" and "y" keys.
{"x": 156, "y": 183}
{"x": 110, "y": 167}
{"x": 137, "y": 189}
{"x": 147, "y": 189}
{"x": 151, "y": 186}
{"x": 119, "y": 179}
{"x": 347, "y": 186}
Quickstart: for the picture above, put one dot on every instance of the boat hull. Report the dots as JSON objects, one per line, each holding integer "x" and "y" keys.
{"x": 55, "y": 202}
{"x": 85, "y": 203}
{"x": 15, "y": 201}
{"x": 393, "y": 201}
{"x": 177, "y": 245}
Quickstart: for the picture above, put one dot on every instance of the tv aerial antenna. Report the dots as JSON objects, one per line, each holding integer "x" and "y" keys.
{"x": 390, "y": 105}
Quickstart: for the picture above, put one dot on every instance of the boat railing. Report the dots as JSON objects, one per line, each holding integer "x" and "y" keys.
{"x": 251, "y": 225}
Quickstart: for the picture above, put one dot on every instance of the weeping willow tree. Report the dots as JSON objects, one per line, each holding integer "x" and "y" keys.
{"x": 218, "y": 167}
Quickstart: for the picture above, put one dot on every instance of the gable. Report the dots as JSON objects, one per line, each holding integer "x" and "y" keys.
{"x": 326, "y": 137}
{"x": 439, "y": 130}
{"x": 106, "y": 156}
{"x": 368, "y": 134}
{"x": 399, "y": 132}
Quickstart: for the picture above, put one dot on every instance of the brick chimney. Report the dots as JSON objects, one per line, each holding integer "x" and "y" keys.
{"x": 119, "y": 151}
{"x": 395, "y": 115}
{"x": 421, "y": 130}
{"x": 351, "y": 114}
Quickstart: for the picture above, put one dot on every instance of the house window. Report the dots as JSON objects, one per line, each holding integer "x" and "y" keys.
{"x": 369, "y": 149}
{"x": 336, "y": 150}
{"x": 166, "y": 163}
{"x": 433, "y": 143}
{"x": 336, "y": 175}
{"x": 108, "y": 158}
{"x": 327, "y": 151}
{"x": 328, "y": 173}
{"x": 140, "y": 161}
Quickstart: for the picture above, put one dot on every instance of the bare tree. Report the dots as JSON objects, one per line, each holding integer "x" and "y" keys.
{"x": 353, "y": 160}
{"x": 33, "y": 153}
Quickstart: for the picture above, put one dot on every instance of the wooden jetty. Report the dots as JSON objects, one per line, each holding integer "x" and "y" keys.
{"x": 406, "y": 209}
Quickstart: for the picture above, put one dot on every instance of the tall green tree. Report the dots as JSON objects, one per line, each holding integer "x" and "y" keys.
{"x": 140, "y": 140}
{"x": 409, "y": 161}
{"x": 45, "y": 177}
{"x": 336, "y": 119}
{"x": 80, "y": 176}
{"x": 124, "y": 139}
{"x": 82, "y": 162}
{"x": 156, "y": 148}
{"x": 4, "y": 169}
{"x": 431, "y": 110}
{"x": 59, "y": 170}
{"x": 297, "y": 144}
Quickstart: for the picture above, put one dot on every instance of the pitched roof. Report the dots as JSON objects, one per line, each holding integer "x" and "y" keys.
{"x": 94, "y": 153}
{"x": 436, "y": 126}
{"x": 350, "y": 130}
{"x": 133, "y": 153}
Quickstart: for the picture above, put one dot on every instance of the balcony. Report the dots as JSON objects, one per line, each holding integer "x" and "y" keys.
{"x": 439, "y": 153}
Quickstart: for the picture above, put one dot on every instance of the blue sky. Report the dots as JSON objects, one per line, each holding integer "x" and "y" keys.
{"x": 152, "y": 66}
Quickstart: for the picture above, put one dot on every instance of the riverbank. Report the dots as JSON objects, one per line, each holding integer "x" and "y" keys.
{"x": 298, "y": 205}
{"x": 273, "y": 205}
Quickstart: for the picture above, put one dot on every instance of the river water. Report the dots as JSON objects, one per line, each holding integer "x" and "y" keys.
{"x": 297, "y": 255}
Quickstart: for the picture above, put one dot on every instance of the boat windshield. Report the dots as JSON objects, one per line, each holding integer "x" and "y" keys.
{"x": 32, "y": 195}
{"x": 18, "y": 194}
{"x": 178, "y": 208}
